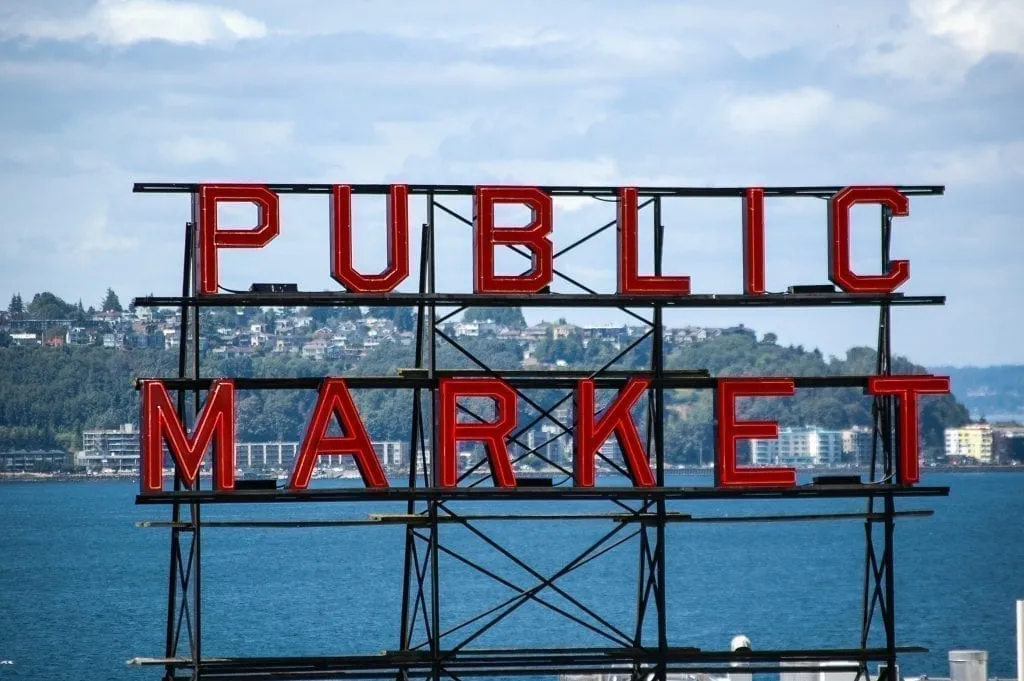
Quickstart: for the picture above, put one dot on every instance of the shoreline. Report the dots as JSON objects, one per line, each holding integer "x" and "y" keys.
{"x": 678, "y": 470}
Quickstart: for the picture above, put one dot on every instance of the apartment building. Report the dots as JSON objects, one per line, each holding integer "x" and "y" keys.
{"x": 973, "y": 441}
{"x": 804, "y": 447}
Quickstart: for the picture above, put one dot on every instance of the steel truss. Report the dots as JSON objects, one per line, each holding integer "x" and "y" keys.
{"x": 425, "y": 650}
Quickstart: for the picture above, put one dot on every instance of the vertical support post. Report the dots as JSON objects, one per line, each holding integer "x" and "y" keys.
{"x": 657, "y": 357}
{"x": 408, "y": 599}
{"x": 891, "y": 436}
{"x": 171, "y": 642}
{"x": 435, "y": 577}
{"x": 879, "y": 576}
{"x": 196, "y": 579}
{"x": 879, "y": 586}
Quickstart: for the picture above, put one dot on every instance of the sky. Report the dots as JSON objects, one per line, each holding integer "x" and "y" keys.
{"x": 100, "y": 94}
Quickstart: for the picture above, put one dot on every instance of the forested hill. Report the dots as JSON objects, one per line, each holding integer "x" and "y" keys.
{"x": 49, "y": 394}
{"x": 995, "y": 393}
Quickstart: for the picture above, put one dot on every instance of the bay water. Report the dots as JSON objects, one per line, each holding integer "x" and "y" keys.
{"x": 82, "y": 589}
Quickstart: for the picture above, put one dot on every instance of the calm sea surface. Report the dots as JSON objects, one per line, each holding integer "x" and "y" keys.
{"x": 82, "y": 589}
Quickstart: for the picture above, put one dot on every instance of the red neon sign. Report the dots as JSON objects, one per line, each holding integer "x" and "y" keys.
{"x": 492, "y": 434}
{"x": 534, "y": 238}
{"x": 342, "y": 269}
{"x": 335, "y": 401}
{"x": 906, "y": 389}
{"x": 212, "y": 238}
{"x": 215, "y": 429}
{"x": 591, "y": 433}
{"x": 753, "y": 242}
{"x": 161, "y": 425}
{"x": 729, "y": 430}
{"x": 163, "y": 431}
{"x": 839, "y": 270}
{"x": 629, "y": 280}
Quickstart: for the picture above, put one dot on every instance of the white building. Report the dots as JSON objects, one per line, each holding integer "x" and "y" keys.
{"x": 857, "y": 444}
{"x": 265, "y": 455}
{"x": 281, "y": 455}
{"x": 804, "y": 447}
{"x": 110, "y": 451}
{"x": 391, "y": 453}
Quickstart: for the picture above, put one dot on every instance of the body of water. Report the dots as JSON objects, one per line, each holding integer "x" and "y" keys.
{"x": 82, "y": 589}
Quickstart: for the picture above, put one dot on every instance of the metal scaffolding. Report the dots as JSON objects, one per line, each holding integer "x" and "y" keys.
{"x": 423, "y": 648}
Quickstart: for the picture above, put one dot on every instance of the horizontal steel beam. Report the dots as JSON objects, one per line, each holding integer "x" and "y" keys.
{"x": 697, "y": 300}
{"x": 553, "y": 190}
{"x": 554, "y": 379}
{"x": 354, "y": 494}
{"x": 646, "y": 518}
{"x": 523, "y": 662}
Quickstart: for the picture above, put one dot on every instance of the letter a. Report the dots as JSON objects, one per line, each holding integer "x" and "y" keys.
{"x": 335, "y": 401}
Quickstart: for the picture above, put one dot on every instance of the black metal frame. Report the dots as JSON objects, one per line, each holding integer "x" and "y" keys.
{"x": 423, "y": 649}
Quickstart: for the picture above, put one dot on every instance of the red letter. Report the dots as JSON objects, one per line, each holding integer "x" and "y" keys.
{"x": 616, "y": 419}
{"x": 729, "y": 430}
{"x": 211, "y": 238}
{"x": 492, "y": 434}
{"x": 839, "y": 271}
{"x": 534, "y": 237}
{"x": 334, "y": 400}
{"x": 160, "y": 424}
{"x": 342, "y": 269}
{"x": 906, "y": 389}
{"x": 629, "y": 280}
{"x": 753, "y": 242}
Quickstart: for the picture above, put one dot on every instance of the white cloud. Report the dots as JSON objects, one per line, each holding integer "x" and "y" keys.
{"x": 188, "y": 150}
{"x": 95, "y": 237}
{"x": 977, "y": 27}
{"x": 974, "y": 165}
{"x": 942, "y": 40}
{"x": 126, "y": 22}
{"x": 653, "y": 93}
{"x": 796, "y": 112}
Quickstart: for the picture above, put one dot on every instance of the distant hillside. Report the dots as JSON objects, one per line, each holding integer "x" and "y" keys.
{"x": 64, "y": 368}
{"x": 995, "y": 393}
{"x": 49, "y": 394}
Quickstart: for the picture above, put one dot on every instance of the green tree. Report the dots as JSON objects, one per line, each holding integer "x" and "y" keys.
{"x": 45, "y": 305}
{"x": 321, "y": 316}
{"x": 348, "y": 313}
{"x": 54, "y": 332}
{"x": 79, "y": 314}
{"x": 511, "y": 317}
{"x": 16, "y": 309}
{"x": 401, "y": 317}
{"x": 111, "y": 302}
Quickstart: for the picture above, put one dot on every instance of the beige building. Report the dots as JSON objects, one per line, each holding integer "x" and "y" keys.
{"x": 973, "y": 441}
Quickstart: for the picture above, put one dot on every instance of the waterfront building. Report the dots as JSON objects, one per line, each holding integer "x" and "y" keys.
{"x": 110, "y": 450}
{"x": 973, "y": 441}
{"x": 1008, "y": 444}
{"x": 117, "y": 451}
{"x": 265, "y": 455}
{"x": 34, "y": 461}
{"x": 280, "y": 456}
{"x": 857, "y": 445}
{"x": 804, "y": 447}
{"x": 555, "y": 441}
{"x": 390, "y": 453}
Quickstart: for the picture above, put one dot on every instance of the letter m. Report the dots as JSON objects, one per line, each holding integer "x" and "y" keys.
{"x": 161, "y": 424}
